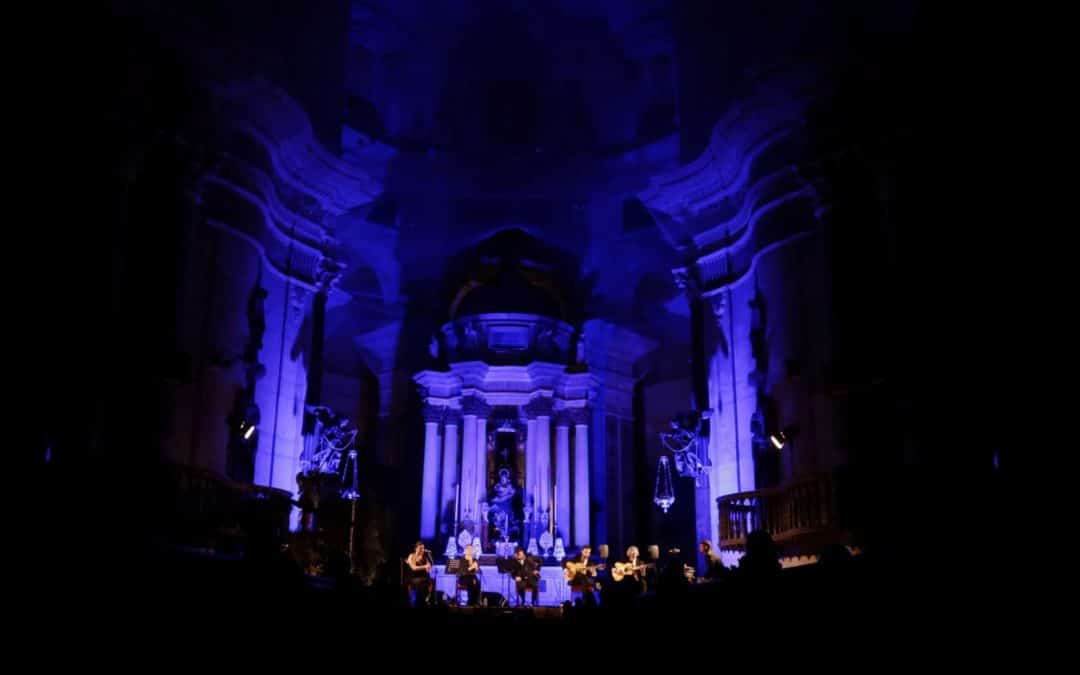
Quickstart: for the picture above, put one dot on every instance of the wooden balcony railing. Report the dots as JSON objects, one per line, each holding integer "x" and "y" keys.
{"x": 803, "y": 512}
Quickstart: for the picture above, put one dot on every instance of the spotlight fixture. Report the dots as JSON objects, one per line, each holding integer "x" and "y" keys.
{"x": 782, "y": 438}
{"x": 248, "y": 429}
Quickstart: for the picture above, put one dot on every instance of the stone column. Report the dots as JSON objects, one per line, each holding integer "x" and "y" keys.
{"x": 562, "y": 474}
{"x": 581, "y": 477}
{"x": 542, "y": 408}
{"x": 482, "y": 411}
{"x": 280, "y": 443}
{"x": 450, "y": 477}
{"x": 429, "y": 507}
{"x": 469, "y": 475}
{"x": 530, "y": 461}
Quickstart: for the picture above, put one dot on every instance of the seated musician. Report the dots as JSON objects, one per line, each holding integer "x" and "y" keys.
{"x": 631, "y": 572}
{"x": 470, "y": 566}
{"x": 526, "y": 572}
{"x": 581, "y": 575}
{"x": 420, "y": 563}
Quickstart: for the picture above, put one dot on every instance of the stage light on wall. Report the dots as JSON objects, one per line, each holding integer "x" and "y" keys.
{"x": 783, "y": 438}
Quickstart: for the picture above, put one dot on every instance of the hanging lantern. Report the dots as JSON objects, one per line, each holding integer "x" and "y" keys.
{"x": 664, "y": 495}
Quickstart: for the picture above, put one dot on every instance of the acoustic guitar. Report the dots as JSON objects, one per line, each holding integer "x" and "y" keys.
{"x": 621, "y": 570}
{"x": 572, "y": 569}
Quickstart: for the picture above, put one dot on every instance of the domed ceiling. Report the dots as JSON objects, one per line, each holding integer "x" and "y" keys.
{"x": 498, "y": 77}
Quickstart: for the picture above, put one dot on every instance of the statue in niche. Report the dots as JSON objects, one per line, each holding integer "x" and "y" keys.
{"x": 579, "y": 358}
{"x": 500, "y": 507}
{"x": 504, "y": 490}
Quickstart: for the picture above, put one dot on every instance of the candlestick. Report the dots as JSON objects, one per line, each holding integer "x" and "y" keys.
{"x": 554, "y": 506}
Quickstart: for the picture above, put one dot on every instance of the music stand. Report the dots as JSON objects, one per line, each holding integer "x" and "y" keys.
{"x": 505, "y": 566}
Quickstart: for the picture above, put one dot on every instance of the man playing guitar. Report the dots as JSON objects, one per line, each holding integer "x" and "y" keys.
{"x": 581, "y": 575}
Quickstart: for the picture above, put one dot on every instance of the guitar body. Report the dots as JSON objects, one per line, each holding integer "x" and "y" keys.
{"x": 572, "y": 569}
{"x": 622, "y": 570}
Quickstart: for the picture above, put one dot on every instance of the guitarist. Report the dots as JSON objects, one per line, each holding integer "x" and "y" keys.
{"x": 630, "y": 573}
{"x": 526, "y": 572}
{"x": 582, "y": 576}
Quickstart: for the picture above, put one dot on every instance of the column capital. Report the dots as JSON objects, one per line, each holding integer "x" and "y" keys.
{"x": 475, "y": 405}
{"x": 539, "y": 407}
{"x": 453, "y": 416}
{"x": 579, "y": 416}
{"x": 433, "y": 413}
{"x": 563, "y": 418}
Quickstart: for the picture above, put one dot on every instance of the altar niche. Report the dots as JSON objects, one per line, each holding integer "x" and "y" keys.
{"x": 504, "y": 488}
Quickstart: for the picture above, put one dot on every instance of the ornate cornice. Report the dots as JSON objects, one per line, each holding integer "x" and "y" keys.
{"x": 503, "y": 339}
{"x": 271, "y": 115}
{"x": 723, "y": 173}
{"x": 274, "y": 185}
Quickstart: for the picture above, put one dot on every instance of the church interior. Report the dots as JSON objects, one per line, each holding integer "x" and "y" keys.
{"x": 559, "y": 276}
